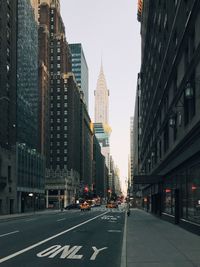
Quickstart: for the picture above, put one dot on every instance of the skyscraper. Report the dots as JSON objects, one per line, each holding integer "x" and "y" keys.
{"x": 30, "y": 177}
{"x": 80, "y": 70}
{"x": 63, "y": 144}
{"x": 8, "y": 25}
{"x": 101, "y": 125}
{"x": 101, "y": 99}
{"x": 27, "y": 76}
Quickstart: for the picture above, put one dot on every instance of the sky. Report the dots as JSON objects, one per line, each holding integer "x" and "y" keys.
{"x": 109, "y": 30}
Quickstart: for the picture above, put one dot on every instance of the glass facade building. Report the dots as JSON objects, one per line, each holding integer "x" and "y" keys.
{"x": 80, "y": 69}
{"x": 30, "y": 177}
{"x": 27, "y": 76}
{"x": 29, "y": 163}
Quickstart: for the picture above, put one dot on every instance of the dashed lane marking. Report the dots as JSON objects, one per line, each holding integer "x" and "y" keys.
{"x": 10, "y": 233}
{"x": 61, "y": 219}
{"x": 114, "y": 231}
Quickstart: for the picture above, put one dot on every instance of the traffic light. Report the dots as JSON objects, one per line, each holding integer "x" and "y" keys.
{"x": 86, "y": 189}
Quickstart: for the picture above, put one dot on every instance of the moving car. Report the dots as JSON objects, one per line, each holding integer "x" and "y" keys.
{"x": 111, "y": 205}
{"x": 85, "y": 206}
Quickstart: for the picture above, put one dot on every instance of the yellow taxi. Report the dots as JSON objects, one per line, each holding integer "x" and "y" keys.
{"x": 85, "y": 206}
{"x": 112, "y": 205}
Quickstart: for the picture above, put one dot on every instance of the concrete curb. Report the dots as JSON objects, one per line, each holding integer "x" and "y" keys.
{"x": 124, "y": 252}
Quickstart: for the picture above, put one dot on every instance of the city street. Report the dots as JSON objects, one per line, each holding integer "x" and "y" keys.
{"x": 72, "y": 238}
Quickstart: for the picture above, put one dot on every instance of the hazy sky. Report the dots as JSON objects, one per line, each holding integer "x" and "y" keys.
{"x": 109, "y": 29}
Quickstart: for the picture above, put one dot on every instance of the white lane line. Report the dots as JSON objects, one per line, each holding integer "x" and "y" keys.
{"x": 10, "y": 233}
{"x": 61, "y": 219}
{"x": 114, "y": 231}
{"x": 48, "y": 239}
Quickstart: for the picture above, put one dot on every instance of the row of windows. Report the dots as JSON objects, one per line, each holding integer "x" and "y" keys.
{"x": 58, "y": 112}
{"x": 76, "y": 60}
{"x": 58, "y": 81}
{"x": 57, "y": 43}
{"x": 55, "y": 75}
{"x": 58, "y": 97}
{"x": 161, "y": 146}
{"x": 58, "y": 50}
{"x": 74, "y": 65}
{"x": 58, "y": 90}
{"x": 58, "y": 128}
{"x": 58, "y": 120}
{"x": 58, "y": 58}
{"x": 58, "y": 136}
{"x": 58, "y": 105}
{"x": 59, "y": 159}
{"x": 58, "y": 143}
{"x": 58, "y": 151}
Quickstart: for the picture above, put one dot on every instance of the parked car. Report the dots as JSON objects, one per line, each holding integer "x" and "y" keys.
{"x": 85, "y": 206}
{"x": 72, "y": 206}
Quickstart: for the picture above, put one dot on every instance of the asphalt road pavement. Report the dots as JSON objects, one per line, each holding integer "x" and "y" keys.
{"x": 70, "y": 238}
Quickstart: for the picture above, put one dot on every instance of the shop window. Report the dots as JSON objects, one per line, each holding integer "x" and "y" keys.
{"x": 193, "y": 187}
{"x": 167, "y": 198}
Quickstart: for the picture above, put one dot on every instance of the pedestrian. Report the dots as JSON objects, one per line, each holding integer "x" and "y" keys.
{"x": 128, "y": 209}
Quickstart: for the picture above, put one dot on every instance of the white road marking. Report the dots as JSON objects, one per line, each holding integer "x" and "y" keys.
{"x": 61, "y": 219}
{"x": 10, "y": 233}
{"x": 48, "y": 251}
{"x": 47, "y": 239}
{"x": 73, "y": 255}
{"x": 114, "y": 231}
{"x": 96, "y": 252}
{"x": 67, "y": 252}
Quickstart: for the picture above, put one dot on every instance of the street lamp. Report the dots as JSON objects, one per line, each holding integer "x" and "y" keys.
{"x": 188, "y": 95}
{"x": 189, "y": 92}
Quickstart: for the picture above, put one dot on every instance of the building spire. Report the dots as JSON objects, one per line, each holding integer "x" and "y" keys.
{"x": 101, "y": 68}
{"x": 101, "y": 99}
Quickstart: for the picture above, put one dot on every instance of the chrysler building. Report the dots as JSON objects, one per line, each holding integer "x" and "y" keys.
{"x": 101, "y": 121}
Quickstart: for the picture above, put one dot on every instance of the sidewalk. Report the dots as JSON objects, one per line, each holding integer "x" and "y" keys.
{"x": 152, "y": 242}
{"x": 26, "y": 214}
